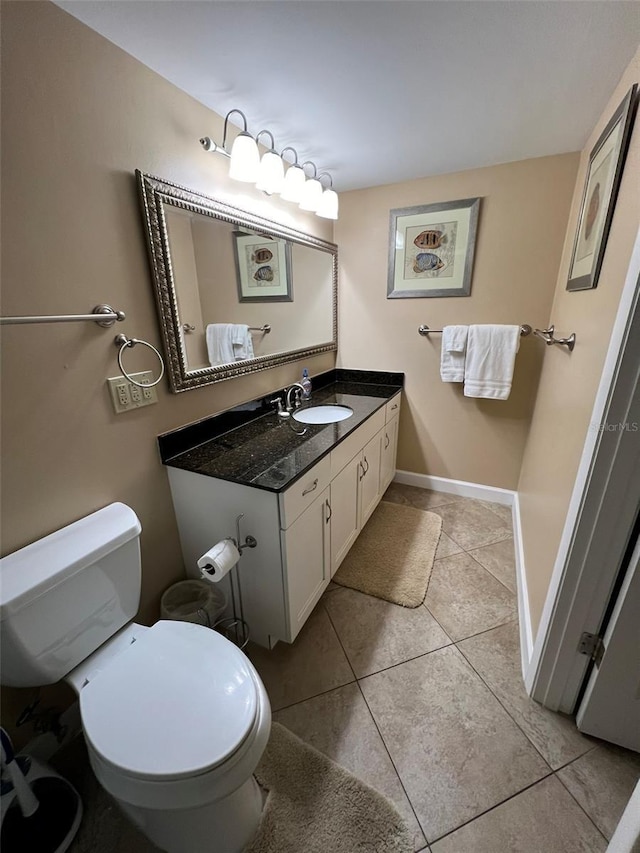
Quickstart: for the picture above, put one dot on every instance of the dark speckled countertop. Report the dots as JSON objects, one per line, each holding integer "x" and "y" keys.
{"x": 250, "y": 445}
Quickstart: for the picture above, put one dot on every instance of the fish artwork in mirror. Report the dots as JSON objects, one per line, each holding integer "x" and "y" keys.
{"x": 236, "y": 293}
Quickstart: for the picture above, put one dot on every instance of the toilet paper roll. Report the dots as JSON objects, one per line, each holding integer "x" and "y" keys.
{"x": 219, "y": 560}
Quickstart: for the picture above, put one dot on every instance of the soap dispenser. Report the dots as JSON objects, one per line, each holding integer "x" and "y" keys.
{"x": 306, "y": 384}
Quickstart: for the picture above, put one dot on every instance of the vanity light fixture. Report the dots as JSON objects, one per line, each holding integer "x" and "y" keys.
{"x": 245, "y": 157}
{"x": 271, "y": 171}
{"x": 268, "y": 172}
{"x": 294, "y": 179}
{"x": 328, "y": 207}
{"x": 312, "y": 192}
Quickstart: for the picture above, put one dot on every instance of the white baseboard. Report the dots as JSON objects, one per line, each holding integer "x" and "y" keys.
{"x": 524, "y": 613}
{"x": 499, "y": 496}
{"x": 456, "y": 487}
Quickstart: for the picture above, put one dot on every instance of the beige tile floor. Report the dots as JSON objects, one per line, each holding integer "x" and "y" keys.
{"x": 428, "y": 707}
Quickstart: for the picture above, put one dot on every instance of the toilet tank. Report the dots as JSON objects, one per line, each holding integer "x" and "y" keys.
{"x": 63, "y": 596}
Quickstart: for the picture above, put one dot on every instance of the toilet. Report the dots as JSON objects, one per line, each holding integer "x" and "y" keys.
{"x": 175, "y": 717}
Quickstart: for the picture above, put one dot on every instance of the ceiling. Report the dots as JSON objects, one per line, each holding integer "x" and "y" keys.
{"x": 380, "y": 92}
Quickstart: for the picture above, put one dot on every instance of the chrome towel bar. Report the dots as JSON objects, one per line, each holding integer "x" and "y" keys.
{"x": 103, "y": 315}
{"x": 545, "y": 334}
{"x": 525, "y": 330}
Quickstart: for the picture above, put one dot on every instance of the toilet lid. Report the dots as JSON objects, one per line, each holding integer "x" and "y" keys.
{"x": 177, "y": 702}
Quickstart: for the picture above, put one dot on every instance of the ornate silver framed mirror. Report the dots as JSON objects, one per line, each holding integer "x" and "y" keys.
{"x": 236, "y": 293}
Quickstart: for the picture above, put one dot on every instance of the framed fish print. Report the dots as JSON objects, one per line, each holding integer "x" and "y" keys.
{"x": 431, "y": 249}
{"x": 263, "y": 268}
{"x": 599, "y": 197}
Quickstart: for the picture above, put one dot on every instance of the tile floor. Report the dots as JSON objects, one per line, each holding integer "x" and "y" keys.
{"x": 428, "y": 707}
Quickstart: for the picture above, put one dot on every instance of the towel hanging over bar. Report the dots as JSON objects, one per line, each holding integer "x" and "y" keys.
{"x": 525, "y": 330}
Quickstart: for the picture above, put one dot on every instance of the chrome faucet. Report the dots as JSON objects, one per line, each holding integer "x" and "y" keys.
{"x": 277, "y": 401}
{"x": 296, "y": 387}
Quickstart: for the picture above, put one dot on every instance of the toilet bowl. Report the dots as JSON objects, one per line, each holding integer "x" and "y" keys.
{"x": 175, "y": 716}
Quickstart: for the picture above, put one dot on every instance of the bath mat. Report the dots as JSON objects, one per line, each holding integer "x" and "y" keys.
{"x": 315, "y": 806}
{"x": 393, "y": 556}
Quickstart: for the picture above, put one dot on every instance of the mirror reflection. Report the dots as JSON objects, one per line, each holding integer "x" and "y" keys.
{"x": 236, "y": 293}
{"x": 243, "y": 293}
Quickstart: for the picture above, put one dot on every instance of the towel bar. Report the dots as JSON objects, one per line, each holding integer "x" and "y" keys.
{"x": 525, "y": 330}
{"x": 102, "y": 315}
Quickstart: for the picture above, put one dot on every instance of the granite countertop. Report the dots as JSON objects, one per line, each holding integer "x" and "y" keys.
{"x": 252, "y": 446}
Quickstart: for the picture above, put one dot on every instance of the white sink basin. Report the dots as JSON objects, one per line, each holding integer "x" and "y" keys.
{"x": 323, "y": 414}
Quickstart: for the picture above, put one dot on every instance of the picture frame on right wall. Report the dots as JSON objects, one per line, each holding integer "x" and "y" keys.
{"x": 606, "y": 164}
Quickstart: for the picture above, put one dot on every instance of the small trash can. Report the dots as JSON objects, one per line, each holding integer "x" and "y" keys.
{"x": 194, "y": 601}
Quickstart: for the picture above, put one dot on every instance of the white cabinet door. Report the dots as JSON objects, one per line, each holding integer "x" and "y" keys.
{"x": 306, "y": 556}
{"x": 389, "y": 447}
{"x": 345, "y": 520}
{"x": 370, "y": 477}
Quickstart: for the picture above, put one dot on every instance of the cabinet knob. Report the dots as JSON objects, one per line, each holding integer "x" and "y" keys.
{"x": 394, "y": 407}
{"x": 311, "y": 488}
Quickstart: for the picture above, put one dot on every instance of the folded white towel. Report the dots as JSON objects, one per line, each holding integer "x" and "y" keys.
{"x": 491, "y": 355}
{"x": 220, "y": 343}
{"x": 452, "y": 354}
{"x": 242, "y": 342}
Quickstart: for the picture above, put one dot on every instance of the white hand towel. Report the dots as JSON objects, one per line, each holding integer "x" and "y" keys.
{"x": 491, "y": 355}
{"x": 452, "y": 355}
{"x": 220, "y": 343}
{"x": 242, "y": 342}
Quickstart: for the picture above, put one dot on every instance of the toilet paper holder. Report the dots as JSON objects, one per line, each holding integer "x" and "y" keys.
{"x": 235, "y": 628}
{"x": 249, "y": 542}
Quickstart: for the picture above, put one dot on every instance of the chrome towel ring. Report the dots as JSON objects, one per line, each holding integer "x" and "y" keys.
{"x": 123, "y": 342}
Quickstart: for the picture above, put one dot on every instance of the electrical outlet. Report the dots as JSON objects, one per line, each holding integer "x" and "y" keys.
{"x": 127, "y": 396}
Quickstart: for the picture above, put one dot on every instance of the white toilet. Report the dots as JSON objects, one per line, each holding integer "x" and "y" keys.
{"x": 175, "y": 716}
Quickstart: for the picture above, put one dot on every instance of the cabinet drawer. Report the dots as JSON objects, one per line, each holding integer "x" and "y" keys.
{"x": 295, "y": 500}
{"x": 345, "y": 451}
{"x": 392, "y": 409}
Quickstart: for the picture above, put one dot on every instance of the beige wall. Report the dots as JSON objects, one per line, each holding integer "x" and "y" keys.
{"x": 569, "y": 383}
{"x": 521, "y": 230}
{"x": 78, "y": 116}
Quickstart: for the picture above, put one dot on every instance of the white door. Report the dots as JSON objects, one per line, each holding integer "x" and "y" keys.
{"x": 344, "y": 512}
{"x": 306, "y": 555}
{"x": 388, "y": 463}
{"x": 370, "y": 477}
{"x": 610, "y": 708}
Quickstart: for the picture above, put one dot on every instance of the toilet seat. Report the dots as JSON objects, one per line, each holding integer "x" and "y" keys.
{"x": 176, "y": 703}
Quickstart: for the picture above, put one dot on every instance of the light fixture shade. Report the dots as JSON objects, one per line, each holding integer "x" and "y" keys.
{"x": 245, "y": 158}
{"x": 294, "y": 182}
{"x": 328, "y": 207}
{"x": 270, "y": 173}
{"x": 311, "y": 196}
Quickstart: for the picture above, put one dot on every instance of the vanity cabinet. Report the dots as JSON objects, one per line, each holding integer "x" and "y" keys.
{"x": 357, "y": 489}
{"x": 303, "y": 533}
{"x": 389, "y": 453}
{"x": 306, "y": 560}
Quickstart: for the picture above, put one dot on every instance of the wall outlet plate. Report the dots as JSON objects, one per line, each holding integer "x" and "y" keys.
{"x": 126, "y": 396}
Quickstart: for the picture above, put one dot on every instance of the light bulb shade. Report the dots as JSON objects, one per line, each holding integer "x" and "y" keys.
{"x": 311, "y": 196}
{"x": 328, "y": 207}
{"x": 270, "y": 173}
{"x": 245, "y": 158}
{"x": 294, "y": 182}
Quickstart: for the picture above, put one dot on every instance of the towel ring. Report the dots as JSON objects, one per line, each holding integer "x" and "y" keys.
{"x": 123, "y": 342}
